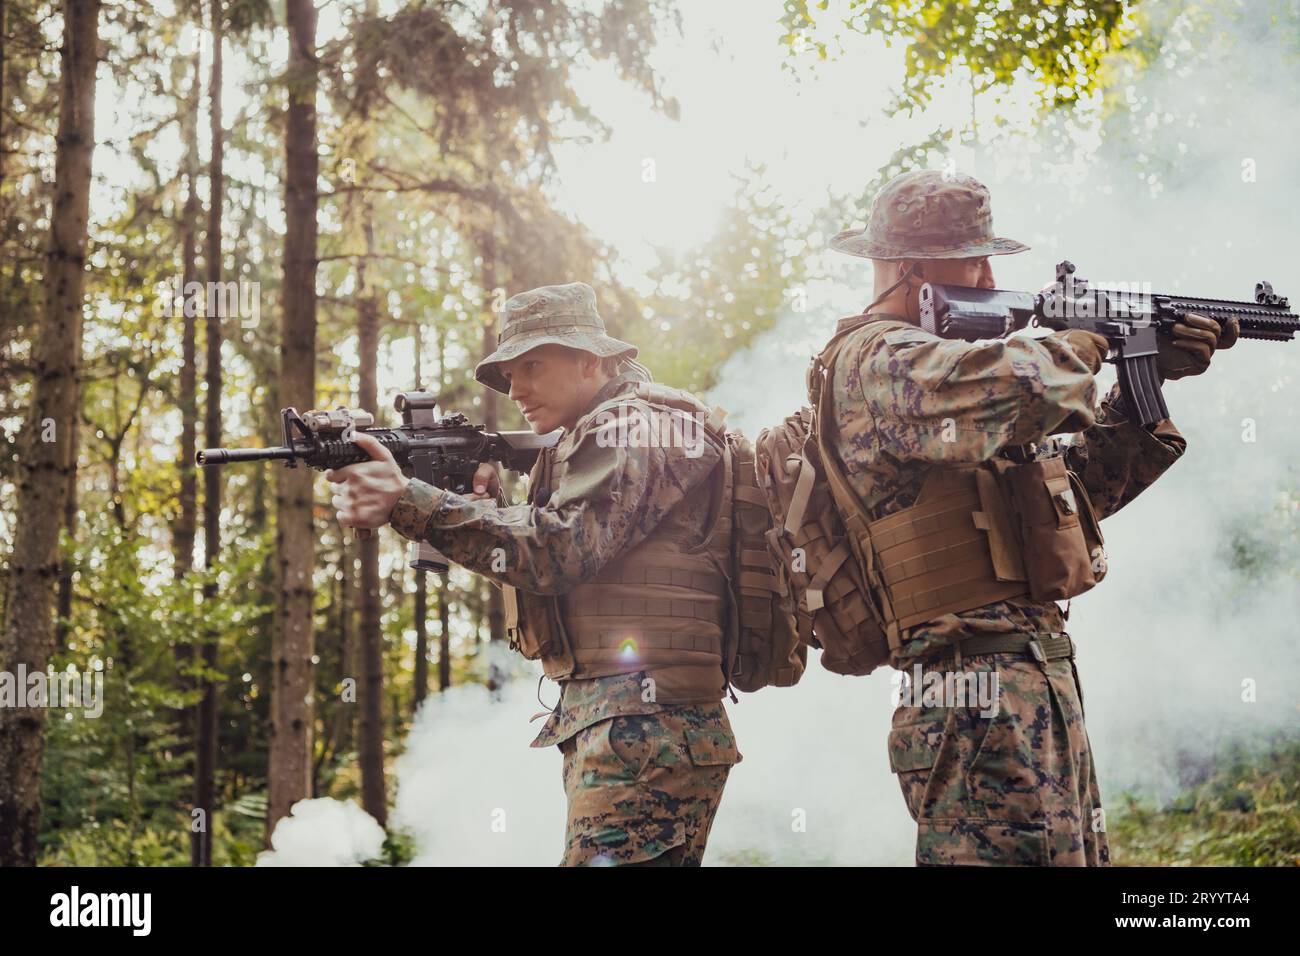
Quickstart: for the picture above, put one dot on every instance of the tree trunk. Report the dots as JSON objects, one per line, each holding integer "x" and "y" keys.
{"x": 205, "y": 742}
{"x": 70, "y": 523}
{"x": 496, "y": 608}
{"x": 421, "y": 614}
{"x": 421, "y": 641}
{"x": 295, "y": 544}
{"x": 183, "y": 532}
{"x": 373, "y": 796}
{"x": 3, "y": 37}
{"x": 444, "y": 636}
{"x": 444, "y": 588}
{"x": 185, "y": 529}
{"x": 42, "y": 478}
{"x": 347, "y": 653}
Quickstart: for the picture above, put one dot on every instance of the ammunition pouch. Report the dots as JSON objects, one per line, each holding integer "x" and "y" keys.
{"x": 1061, "y": 537}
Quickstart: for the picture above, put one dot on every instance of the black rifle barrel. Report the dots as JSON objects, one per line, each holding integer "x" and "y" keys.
{"x": 223, "y": 456}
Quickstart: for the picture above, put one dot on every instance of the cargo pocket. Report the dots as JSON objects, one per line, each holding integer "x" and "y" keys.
{"x": 913, "y": 749}
{"x": 714, "y": 747}
{"x": 630, "y": 743}
{"x": 988, "y": 733}
{"x": 961, "y": 842}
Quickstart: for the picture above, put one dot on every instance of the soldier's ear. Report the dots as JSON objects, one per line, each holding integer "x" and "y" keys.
{"x": 588, "y": 364}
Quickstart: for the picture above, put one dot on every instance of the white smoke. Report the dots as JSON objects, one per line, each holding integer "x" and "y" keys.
{"x": 324, "y": 832}
{"x": 470, "y": 789}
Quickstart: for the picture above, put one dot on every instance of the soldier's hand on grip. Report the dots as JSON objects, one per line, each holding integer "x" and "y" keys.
{"x": 1194, "y": 342}
{"x": 487, "y": 482}
{"x": 1089, "y": 346}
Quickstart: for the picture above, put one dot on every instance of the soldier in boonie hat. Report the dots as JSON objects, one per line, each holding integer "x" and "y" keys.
{"x": 550, "y": 315}
{"x": 945, "y": 219}
{"x": 926, "y": 214}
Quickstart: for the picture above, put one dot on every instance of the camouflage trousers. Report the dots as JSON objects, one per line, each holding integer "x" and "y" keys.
{"x": 1010, "y": 785}
{"x": 643, "y": 788}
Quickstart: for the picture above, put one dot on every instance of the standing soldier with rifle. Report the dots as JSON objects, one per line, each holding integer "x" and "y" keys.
{"x": 974, "y": 524}
{"x": 613, "y": 576}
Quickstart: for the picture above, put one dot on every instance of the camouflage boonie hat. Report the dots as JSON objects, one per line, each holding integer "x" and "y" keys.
{"x": 922, "y": 215}
{"x": 550, "y": 315}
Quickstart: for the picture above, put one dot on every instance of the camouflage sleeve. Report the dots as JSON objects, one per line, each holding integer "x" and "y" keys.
{"x": 610, "y": 498}
{"x": 946, "y": 401}
{"x": 1116, "y": 458}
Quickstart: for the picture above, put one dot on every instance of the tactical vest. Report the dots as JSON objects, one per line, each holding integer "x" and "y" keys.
{"x": 661, "y": 607}
{"x": 1018, "y": 525}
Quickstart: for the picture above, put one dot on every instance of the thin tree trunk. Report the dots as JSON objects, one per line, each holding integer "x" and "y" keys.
{"x": 496, "y": 608}
{"x": 4, "y": 38}
{"x": 444, "y": 635}
{"x": 444, "y": 588}
{"x": 348, "y": 662}
{"x": 421, "y": 641}
{"x": 295, "y": 544}
{"x": 184, "y": 531}
{"x": 45, "y": 466}
{"x": 421, "y": 614}
{"x": 62, "y": 625}
{"x": 373, "y": 796}
{"x": 205, "y": 743}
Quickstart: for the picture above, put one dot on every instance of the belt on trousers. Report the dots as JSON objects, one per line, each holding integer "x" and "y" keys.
{"x": 1053, "y": 646}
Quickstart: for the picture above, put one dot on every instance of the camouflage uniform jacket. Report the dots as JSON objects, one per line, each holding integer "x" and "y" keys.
{"x": 907, "y": 401}
{"x": 611, "y": 499}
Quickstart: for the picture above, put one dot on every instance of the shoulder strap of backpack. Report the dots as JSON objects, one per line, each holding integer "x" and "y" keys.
{"x": 851, "y": 509}
{"x": 820, "y": 378}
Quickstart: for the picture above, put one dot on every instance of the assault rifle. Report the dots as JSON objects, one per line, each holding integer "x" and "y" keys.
{"x": 1130, "y": 321}
{"x": 443, "y": 451}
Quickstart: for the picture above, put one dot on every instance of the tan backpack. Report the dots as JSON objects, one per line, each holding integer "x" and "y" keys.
{"x": 835, "y": 609}
{"x": 833, "y": 604}
{"x": 763, "y": 644}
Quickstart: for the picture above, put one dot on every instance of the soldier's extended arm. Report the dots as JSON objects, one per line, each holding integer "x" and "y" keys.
{"x": 1117, "y": 458}
{"x": 1134, "y": 323}
{"x": 947, "y": 401}
{"x": 609, "y": 500}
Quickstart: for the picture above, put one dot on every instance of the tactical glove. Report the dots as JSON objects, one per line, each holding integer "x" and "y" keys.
{"x": 1195, "y": 340}
{"x": 1089, "y": 346}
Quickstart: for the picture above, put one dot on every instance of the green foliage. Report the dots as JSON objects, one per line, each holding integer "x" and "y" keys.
{"x": 715, "y": 300}
{"x": 1264, "y": 545}
{"x": 1059, "y": 44}
{"x": 1246, "y": 814}
{"x": 399, "y": 850}
{"x": 114, "y": 782}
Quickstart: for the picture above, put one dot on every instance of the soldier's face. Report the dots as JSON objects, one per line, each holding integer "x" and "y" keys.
{"x": 553, "y": 385}
{"x": 975, "y": 273}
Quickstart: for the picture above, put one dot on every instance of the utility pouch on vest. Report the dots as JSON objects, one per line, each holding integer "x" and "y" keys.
{"x": 540, "y": 638}
{"x": 1054, "y": 510}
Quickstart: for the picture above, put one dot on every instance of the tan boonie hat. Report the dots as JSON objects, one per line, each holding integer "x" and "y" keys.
{"x": 549, "y": 315}
{"x": 927, "y": 214}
